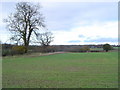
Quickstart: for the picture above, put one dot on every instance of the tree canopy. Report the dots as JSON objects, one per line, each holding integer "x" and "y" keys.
{"x": 24, "y": 22}
{"x": 107, "y": 47}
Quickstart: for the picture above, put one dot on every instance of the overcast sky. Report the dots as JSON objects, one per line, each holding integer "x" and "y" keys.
{"x": 74, "y": 22}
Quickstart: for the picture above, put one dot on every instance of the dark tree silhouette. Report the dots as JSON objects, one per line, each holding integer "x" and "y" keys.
{"x": 24, "y": 22}
{"x": 107, "y": 47}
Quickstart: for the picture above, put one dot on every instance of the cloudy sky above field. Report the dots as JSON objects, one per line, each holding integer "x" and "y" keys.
{"x": 74, "y": 22}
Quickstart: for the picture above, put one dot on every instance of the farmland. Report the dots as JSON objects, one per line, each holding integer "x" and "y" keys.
{"x": 66, "y": 70}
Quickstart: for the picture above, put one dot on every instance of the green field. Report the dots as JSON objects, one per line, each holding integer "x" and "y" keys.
{"x": 68, "y": 70}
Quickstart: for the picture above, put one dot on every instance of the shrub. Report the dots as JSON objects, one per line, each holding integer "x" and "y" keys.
{"x": 6, "y": 52}
{"x": 18, "y": 49}
{"x": 50, "y": 49}
{"x": 95, "y": 51}
{"x": 107, "y": 47}
{"x": 78, "y": 49}
{"x": 72, "y": 49}
{"x": 84, "y": 49}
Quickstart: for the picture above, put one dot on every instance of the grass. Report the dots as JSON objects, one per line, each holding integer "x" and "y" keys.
{"x": 68, "y": 70}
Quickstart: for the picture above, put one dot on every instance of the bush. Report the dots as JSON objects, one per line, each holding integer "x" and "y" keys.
{"x": 6, "y": 52}
{"x": 47, "y": 49}
{"x": 18, "y": 49}
{"x": 72, "y": 49}
{"x": 78, "y": 49}
{"x": 95, "y": 51}
{"x": 50, "y": 49}
{"x": 107, "y": 47}
{"x": 84, "y": 49}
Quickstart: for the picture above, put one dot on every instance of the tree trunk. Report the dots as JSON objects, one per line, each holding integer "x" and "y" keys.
{"x": 26, "y": 50}
{"x": 26, "y": 46}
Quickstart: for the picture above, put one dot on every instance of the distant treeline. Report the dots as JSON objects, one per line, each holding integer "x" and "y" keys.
{"x": 7, "y": 48}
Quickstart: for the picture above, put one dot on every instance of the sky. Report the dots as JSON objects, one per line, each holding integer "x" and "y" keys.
{"x": 73, "y": 23}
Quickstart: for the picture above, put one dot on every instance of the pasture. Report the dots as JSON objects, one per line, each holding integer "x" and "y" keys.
{"x": 67, "y": 70}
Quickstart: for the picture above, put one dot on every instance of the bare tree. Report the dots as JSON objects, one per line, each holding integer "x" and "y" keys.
{"x": 45, "y": 38}
{"x": 25, "y": 22}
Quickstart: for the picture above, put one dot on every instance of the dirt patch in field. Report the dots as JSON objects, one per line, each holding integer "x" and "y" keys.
{"x": 46, "y": 54}
{"x": 36, "y": 54}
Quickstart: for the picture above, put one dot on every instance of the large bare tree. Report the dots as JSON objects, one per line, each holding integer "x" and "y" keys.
{"x": 25, "y": 21}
